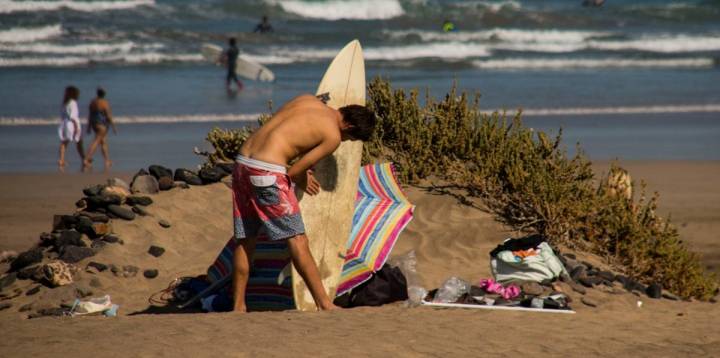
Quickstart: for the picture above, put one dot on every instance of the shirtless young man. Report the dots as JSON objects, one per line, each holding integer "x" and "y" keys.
{"x": 263, "y": 199}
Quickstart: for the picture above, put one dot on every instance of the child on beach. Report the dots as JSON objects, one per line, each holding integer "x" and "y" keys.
{"x": 99, "y": 117}
{"x": 263, "y": 199}
{"x": 69, "y": 129}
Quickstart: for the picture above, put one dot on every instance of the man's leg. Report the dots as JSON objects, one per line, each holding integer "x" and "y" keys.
{"x": 61, "y": 159}
{"x": 305, "y": 265}
{"x": 241, "y": 263}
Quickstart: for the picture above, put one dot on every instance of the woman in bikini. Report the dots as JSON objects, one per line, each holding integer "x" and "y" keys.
{"x": 69, "y": 129}
{"x": 99, "y": 118}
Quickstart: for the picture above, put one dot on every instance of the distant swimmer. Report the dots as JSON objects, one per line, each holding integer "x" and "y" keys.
{"x": 448, "y": 26}
{"x": 229, "y": 58}
{"x": 264, "y": 26}
{"x": 593, "y": 3}
{"x": 69, "y": 129}
{"x": 99, "y": 118}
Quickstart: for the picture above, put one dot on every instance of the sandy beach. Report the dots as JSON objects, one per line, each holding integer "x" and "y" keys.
{"x": 450, "y": 240}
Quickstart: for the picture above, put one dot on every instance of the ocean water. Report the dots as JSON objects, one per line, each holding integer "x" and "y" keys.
{"x": 634, "y": 79}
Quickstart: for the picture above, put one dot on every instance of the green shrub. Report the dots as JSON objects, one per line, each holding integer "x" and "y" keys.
{"x": 524, "y": 177}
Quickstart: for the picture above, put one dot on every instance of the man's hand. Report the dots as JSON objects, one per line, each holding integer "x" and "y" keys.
{"x": 312, "y": 186}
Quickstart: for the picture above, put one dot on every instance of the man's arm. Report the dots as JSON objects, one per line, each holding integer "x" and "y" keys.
{"x": 298, "y": 171}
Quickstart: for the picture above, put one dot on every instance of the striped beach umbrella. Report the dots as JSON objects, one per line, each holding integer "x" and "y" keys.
{"x": 381, "y": 213}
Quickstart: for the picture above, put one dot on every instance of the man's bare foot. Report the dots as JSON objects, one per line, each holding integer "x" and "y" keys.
{"x": 330, "y": 307}
{"x": 108, "y": 164}
{"x": 87, "y": 163}
{"x": 61, "y": 165}
{"x": 240, "y": 309}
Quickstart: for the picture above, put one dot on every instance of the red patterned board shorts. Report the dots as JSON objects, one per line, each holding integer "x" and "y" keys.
{"x": 264, "y": 203}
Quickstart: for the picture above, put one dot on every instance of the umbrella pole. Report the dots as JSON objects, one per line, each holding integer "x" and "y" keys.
{"x": 212, "y": 288}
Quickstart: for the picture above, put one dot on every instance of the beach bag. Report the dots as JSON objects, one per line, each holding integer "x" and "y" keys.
{"x": 543, "y": 267}
{"x": 385, "y": 286}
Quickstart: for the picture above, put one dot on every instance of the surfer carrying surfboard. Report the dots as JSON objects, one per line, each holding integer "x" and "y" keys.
{"x": 229, "y": 59}
{"x": 264, "y": 202}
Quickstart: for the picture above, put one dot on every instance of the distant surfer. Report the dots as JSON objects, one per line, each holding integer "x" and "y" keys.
{"x": 69, "y": 129}
{"x": 229, "y": 58}
{"x": 99, "y": 118}
{"x": 264, "y": 202}
{"x": 264, "y": 26}
{"x": 448, "y": 26}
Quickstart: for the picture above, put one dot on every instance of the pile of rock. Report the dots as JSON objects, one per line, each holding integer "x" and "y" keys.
{"x": 56, "y": 260}
{"x": 583, "y": 274}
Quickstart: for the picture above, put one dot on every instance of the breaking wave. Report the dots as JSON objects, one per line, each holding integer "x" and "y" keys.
{"x": 9, "y": 6}
{"x": 343, "y": 9}
{"x": 561, "y": 64}
{"x": 29, "y": 34}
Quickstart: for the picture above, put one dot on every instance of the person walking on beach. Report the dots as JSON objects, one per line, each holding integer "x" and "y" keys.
{"x": 99, "y": 118}
{"x": 229, "y": 59}
{"x": 264, "y": 202}
{"x": 69, "y": 129}
{"x": 264, "y": 26}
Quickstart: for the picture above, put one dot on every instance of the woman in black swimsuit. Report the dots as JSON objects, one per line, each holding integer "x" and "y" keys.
{"x": 99, "y": 118}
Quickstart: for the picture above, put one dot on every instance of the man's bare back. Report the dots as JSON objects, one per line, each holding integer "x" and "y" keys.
{"x": 304, "y": 127}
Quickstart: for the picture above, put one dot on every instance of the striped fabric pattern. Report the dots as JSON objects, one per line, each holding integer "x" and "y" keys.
{"x": 263, "y": 291}
{"x": 382, "y": 211}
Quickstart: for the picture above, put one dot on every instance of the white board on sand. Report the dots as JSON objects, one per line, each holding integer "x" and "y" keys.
{"x": 244, "y": 67}
{"x": 328, "y": 215}
{"x": 497, "y": 308}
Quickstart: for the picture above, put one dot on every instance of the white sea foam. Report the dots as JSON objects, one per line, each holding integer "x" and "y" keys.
{"x": 245, "y": 117}
{"x": 504, "y": 35}
{"x": 75, "y": 61}
{"x": 448, "y": 50}
{"x": 496, "y": 6}
{"x": 11, "y": 6}
{"x": 83, "y": 49}
{"x": 700, "y": 108}
{"x": 560, "y": 64}
{"x": 663, "y": 44}
{"x": 343, "y": 9}
{"x": 29, "y": 34}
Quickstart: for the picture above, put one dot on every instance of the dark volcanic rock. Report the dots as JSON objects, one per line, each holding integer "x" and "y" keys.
{"x": 48, "y": 312}
{"x": 579, "y": 272}
{"x": 100, "y": 267}
{"x": 85, "y": 226}
{"x": 180, "y": 184}
{"x": 48, "y": 239}
{"x": 95, "y": 217}
{"x": 150, "y": 273}
{"x": 145, "y": 184}
{"x": 165, "y": 183}
{"x": 654, "y": 291}
{"x": 27, "y": 258}
{"x": 8, "y": 280}
{"x": 606, "y": 275}
{"x": 69, "y": 237}
{"x": 98, "y": 245}
{"x": 226, "y": 167}
{"x": 589, "y": 301}
{"x": 138, "y": 200}
{"x": 93, "y": 190}
{"x": 570, "y": 256}
{"x": 5, "y": 305}
{"x": 632, "y": 285}
{"x": 156, "y": 251}
{"x": 33, "y": 290}
{"x": 81, "y": 203}
{"x": 72, "y": 254}
{"x": 111, "y": 239}
{"x": 187, "y": 176}
{"x": 590, "y": 281}
{"x": 158, "y": 171}
{"x": 34, "y": 273}
{"x": 164, "y": 223}
{"x": 140, "y": 210}
{"x": 211, "y": 175}
{"x": 121, "y": 212}
{"x": 64, "y": 222}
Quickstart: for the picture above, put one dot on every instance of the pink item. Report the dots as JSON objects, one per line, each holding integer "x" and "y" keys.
{"x": 490, "y": 286}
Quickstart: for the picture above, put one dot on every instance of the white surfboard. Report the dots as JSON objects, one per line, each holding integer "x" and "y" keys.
{"x": 328, "y": 215}
{"x": 245, "y": 67}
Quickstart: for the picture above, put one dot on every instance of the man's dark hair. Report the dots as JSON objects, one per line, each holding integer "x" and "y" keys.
{"x": 232, "y": 41}
{"x": 361, "y": 121}
{"x": 100, "y": 92}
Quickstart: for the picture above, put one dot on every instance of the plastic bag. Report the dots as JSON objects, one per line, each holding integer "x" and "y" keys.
{"x": 451, "y": 290}
{"x": 408, "y": 265}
